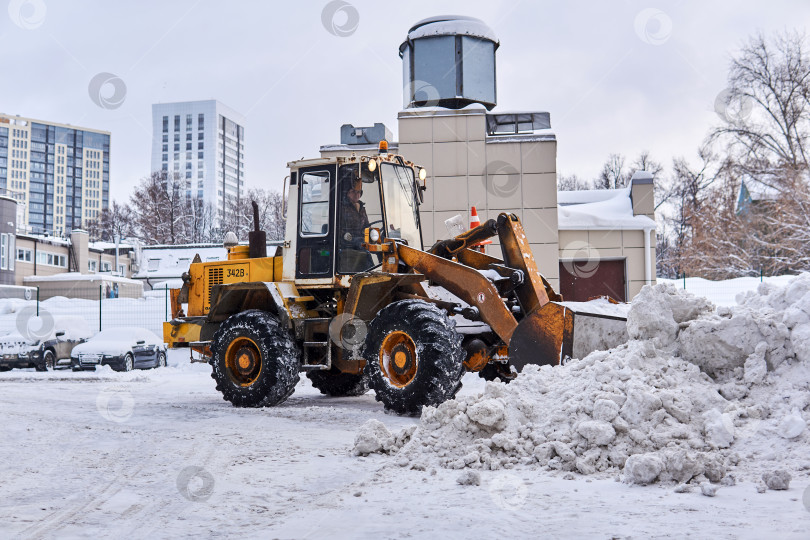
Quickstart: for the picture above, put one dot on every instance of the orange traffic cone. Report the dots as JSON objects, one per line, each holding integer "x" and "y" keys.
{"x": 475, "y": 221}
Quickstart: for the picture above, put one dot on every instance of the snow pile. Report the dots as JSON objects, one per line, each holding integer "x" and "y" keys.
{"x": 696, "y": 393}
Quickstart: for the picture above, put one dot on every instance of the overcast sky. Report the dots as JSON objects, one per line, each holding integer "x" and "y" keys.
{"x": 616, "y": 76}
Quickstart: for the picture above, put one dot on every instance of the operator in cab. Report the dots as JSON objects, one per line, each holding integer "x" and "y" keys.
{"x": 353, "y": 222}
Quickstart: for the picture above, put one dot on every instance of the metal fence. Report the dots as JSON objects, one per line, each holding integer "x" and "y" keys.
{"x": 99, "y": 307}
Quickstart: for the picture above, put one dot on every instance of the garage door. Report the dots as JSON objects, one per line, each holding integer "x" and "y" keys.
{"x": 584, "y": 279}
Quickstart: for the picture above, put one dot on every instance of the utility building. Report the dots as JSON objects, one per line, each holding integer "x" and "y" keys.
{"x": 589, "y": 243}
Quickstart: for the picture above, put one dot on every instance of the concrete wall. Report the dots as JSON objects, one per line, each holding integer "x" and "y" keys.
{"x": 493, "y": 173}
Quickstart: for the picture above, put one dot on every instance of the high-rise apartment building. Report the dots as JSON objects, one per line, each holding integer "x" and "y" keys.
{"x": 204, "y": 143}
{"x": 58, "y": 174}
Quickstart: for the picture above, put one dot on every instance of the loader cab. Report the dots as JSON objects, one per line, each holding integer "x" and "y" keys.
{"x": 332, "y": 201}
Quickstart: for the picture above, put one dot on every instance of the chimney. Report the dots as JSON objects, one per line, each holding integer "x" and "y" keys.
{"x": 642, "y": 189}
{"x": 80, "y": 241}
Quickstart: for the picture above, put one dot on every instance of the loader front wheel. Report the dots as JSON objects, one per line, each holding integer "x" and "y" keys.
{"x": 413, "y": 356}
{"x": 255, "y": 361}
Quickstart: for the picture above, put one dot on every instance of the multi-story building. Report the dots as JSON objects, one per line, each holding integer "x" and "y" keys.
{"x": 58, "y": 174}
{"x": 204, "y": 143}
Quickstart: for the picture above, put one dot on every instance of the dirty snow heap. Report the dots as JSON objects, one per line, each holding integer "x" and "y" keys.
{"x": 698, "y": 394}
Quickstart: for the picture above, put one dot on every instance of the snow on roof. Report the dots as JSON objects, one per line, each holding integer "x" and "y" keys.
{"x": 356, "y": 147}
{"x": 110, "y": 245}
{"x": 171, "y": 262}
{"x": 472, "y": 108}
{"x": 450, "y": 25}
{"x": 611, "y": 210}
{"x": 582, "y": 196}
{"x": 76, "y": 276}
{"x": 53, "y": 240}
{"x": 520, "y": 137}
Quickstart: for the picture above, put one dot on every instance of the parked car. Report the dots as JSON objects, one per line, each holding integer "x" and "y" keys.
{"x": 123, "y": 349}
{"x": 48, "y": 352}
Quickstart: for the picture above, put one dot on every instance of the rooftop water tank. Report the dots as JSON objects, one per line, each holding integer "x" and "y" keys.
{"x": 449, "y": 61}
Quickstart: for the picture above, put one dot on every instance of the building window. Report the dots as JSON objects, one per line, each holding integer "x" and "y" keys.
{"x": 11, "y": 247}
{"x": 200, "y": 155}
{"x": 200, "y": 121}
{"x": 165, "y": 124}
{"x": 188, "y": 136}
{"x": 92, "y": 264}
{"x": 24, "y": 255}
{"x": 51, "y": 259}
{"x": 188, "y": 146}
{"x": 188, "y": 122}
{"x": 200, "y": 136}
{"x": 177, "y": 122}
{"x": 3, "y": 251}
{"x": 199, "y": 146}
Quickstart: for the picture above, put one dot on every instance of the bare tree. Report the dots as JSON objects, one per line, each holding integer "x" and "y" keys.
{"x": 573, "y": 183}
{"x": 200, "y": 221}
{"x": 767, "y": 109}
{"x": 160, "y": 209}
{"x": 117, "y": 220}
{"x": 688, "y": 191}
{"x": 239, "y": 216}
{"x": 613, "y": 174}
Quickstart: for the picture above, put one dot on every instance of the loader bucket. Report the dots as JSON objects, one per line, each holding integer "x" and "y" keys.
{"x": 554, "y": 332}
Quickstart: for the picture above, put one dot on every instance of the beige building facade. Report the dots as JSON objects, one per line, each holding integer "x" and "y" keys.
{"x": 37, "y": 256}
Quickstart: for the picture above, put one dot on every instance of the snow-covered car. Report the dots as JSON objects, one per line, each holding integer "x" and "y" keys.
{"x": 123, "y": 349}
{"x": 47, "y": 351}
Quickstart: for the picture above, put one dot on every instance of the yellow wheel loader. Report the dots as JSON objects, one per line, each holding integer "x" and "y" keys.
{"x": 354, "y": 300}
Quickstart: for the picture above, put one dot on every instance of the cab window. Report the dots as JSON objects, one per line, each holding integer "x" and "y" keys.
{"x": 315, "y": 203}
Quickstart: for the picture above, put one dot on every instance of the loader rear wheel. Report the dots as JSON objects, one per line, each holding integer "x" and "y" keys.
{"x": 413, "y": 356}
{"x": 334, "y": 383}
{"x": 255, "y": 361}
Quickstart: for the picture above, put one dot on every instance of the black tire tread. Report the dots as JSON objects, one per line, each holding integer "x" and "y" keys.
{"x": 441, "y": 357}
{"x": 279, "y": 352}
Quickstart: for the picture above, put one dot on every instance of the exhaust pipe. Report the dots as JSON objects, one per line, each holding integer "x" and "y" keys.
{"x": 257, "y": 239}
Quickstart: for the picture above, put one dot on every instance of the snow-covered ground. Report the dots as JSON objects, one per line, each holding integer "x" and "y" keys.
{"x": 158, "y": 454}
{"x": 724, "y": 293}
